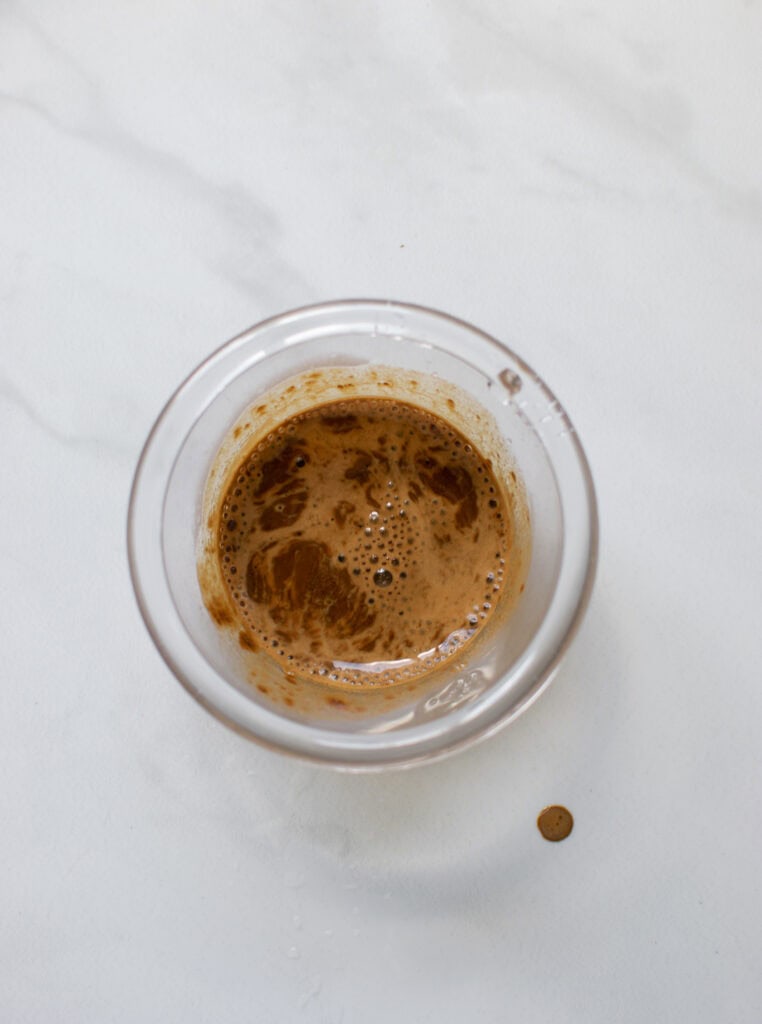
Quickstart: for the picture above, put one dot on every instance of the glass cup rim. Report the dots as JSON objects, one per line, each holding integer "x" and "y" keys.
{"x": 427, "y": 741}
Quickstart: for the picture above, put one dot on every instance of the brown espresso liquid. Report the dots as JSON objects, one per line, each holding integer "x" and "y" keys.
{"x": 364, "y": 542}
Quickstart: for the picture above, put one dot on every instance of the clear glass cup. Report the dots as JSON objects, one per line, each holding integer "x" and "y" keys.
{"x": 469, "y": 697}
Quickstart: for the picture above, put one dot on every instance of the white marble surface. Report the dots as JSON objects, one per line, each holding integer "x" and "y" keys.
{"x": 581, "y": 179}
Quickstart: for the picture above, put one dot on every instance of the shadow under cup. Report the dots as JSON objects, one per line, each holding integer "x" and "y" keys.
{"x": 382, "y": 347}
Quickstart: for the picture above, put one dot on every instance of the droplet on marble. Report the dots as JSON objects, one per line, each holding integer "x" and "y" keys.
{"x": 555, "y": 823}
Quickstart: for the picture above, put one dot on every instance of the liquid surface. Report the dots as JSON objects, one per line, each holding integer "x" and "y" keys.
{"x": 365, "y": 541}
